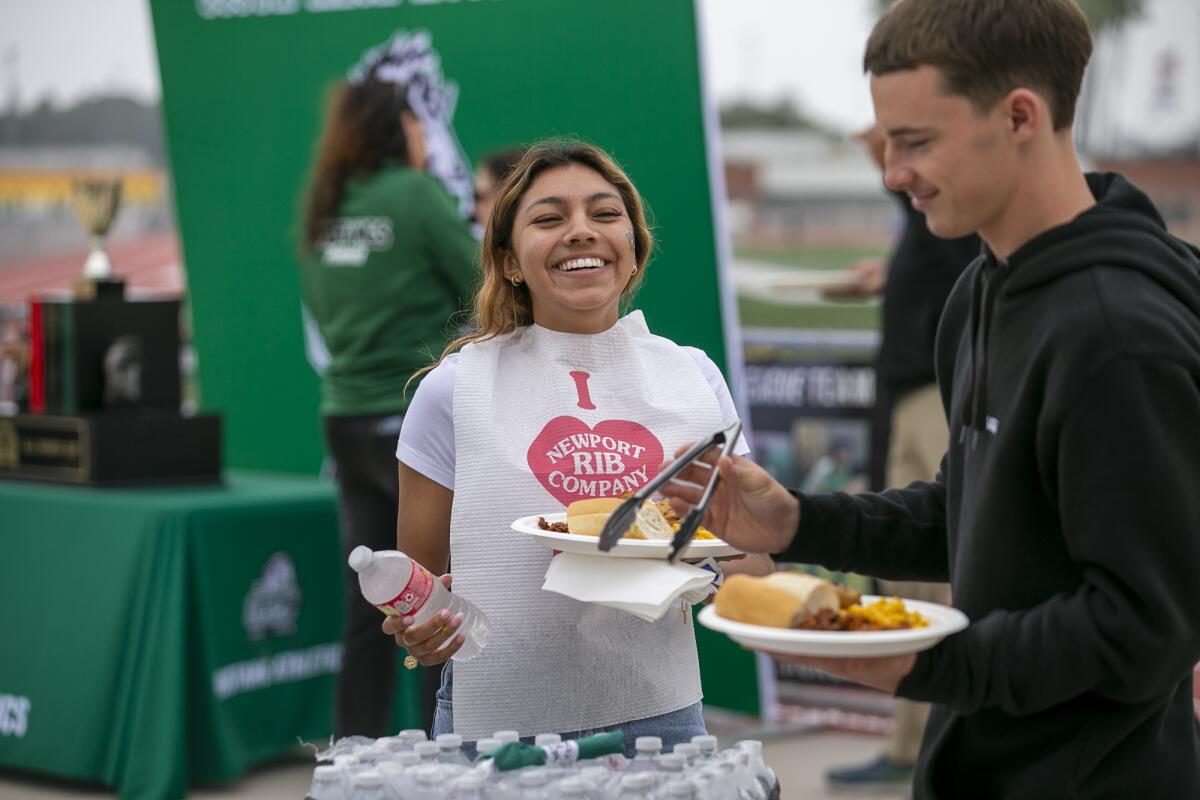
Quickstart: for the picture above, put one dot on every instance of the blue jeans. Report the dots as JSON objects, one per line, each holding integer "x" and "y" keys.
{"x": 674, "y": 727}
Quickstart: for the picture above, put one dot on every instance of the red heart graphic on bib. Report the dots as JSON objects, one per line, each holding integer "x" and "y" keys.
{"x": 575, "y": 461}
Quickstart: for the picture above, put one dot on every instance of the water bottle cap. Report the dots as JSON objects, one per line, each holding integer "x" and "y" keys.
{"x": 648, "y": 743}
{"x": 426, "y": 748}
{"x": 430, "y": 773}
{"x": 507, "y": 736}
{"x": 367, "y": 777}
{"x": 361, "y": 558}
{"x": 407, "y": 758}
{"x": 326, "y": 771}
{"x": 413, "y": 734}
{"x": 484, "y": 745}
{"x": 750, "y": 745}
{"x": 689, "y": 750}
{"x": 680, "y": 789}
{"x": 672, "y": 762}
{"x": 533, "y": 777}
{"x": 707, "y": 744}
{"x": 546, "y": 739}
{"x": 575, "y": 786}
{"x": 472, "y": 780}
{"x": 637, "y": 780}
{"x": 449, "y": 741}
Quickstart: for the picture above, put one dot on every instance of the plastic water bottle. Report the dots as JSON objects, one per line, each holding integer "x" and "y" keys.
{"x": 469, "y": 787}
{"x": 547, "y": 739}
{"x": 397, "y": 778}
{"x": 368, "y": 785}
{"x": 648, "y": 750}
{"x": 428, "y": 783}
{"x": 678, "y": 789}
{"x": 707, "y": 745}
{"x": 428, "y": 751}
{"x": 412, "y": 736}
{"x": 575, "y": 788}
{"x": 690, "y": 752}
{"x": 762, "y": 771}
{"x": 326, "y": 784}
{"x": 599, "y": 781}
{"x": 671, "y": 766}
{"x": 504, "y": 737}
{"x": 636, "y": 786}
{"x": 535, "y": 784}
{"x": 399, "y": 586}
{"x": 450, "y": 750}
{"x": 485, "y": 745}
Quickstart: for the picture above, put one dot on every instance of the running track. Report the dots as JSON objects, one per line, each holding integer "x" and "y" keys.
{"x": 150, "y": 266}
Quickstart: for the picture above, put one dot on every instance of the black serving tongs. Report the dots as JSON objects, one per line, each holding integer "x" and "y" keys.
{"x": 626, "y": 514}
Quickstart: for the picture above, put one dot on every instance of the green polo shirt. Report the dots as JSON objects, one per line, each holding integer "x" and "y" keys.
{"x": 392, "y": 269}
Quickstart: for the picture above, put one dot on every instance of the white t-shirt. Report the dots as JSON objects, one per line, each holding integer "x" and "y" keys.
{"x": 427, "y": 438}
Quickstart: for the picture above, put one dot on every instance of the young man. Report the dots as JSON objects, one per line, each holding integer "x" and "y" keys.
{"x": 1066, "y": 514}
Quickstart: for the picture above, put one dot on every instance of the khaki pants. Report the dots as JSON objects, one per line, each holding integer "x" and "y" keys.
{"x": 918, "y": 442}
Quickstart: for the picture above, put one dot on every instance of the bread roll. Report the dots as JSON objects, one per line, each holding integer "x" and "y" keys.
{"x": 780, "y": 600}
{"x": 587, "y": 518}
{"x": 598, "y": 505}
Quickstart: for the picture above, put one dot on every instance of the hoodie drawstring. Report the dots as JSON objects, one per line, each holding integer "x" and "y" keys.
{"x": 986, "y": 288}
{"x": 972, "y": 328}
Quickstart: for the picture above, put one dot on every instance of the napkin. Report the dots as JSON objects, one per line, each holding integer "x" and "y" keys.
{"x": 643, "y": 587}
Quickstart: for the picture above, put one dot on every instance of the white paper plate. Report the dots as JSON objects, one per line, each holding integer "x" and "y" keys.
{"x": 943, "y": 621}
{"x": 626, "y": 548}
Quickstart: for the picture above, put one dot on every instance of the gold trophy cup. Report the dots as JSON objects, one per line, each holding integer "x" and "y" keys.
{"x": 96, "y": 201}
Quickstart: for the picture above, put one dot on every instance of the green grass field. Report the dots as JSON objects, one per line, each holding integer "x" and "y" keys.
{"x": 854, "y": 315}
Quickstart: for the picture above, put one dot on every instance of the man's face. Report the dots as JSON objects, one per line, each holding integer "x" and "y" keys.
{"x": 956, "y": 163}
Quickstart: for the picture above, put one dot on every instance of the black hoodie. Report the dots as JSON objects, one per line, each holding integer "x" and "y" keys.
{"x": 1066, "y": 517}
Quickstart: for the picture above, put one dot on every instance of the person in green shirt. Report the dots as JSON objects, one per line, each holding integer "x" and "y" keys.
{"x": 386, "y": 262}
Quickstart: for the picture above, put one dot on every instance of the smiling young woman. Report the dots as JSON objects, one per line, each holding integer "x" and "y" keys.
{"x": 552, "y": 360}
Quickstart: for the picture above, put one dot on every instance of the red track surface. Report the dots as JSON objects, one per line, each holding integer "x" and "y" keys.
{"x": 150, "y": 266}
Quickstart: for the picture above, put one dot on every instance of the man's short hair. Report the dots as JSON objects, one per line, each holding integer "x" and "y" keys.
{"x": 986, "y": 48}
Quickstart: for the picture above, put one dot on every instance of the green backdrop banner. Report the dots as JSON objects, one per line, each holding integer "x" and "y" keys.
{"x": 244, "y": 84}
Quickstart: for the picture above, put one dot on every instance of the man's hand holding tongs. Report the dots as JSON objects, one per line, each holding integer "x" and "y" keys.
{"x": 749, "y": 509}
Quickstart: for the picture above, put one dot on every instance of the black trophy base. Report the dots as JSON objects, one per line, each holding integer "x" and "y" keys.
{"x": 111, "y": 449}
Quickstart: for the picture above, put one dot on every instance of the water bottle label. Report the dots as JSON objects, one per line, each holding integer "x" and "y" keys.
{"x": 413, "y": 596}
{"x": 562, "y": 754}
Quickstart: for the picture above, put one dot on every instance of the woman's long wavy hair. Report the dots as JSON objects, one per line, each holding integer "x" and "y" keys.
{"x": 362, "y": 130}
{"x": 501, "y": 307}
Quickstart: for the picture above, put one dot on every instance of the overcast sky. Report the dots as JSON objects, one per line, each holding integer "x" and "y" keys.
{"x": 808, "y": 50}
{"x": 68, "y": 49}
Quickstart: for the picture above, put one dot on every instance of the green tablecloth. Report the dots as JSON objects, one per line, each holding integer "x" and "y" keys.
{"x": 152, "y": 637}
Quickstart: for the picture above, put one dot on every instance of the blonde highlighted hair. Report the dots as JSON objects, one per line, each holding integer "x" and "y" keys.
{"x": 501, "y": 307}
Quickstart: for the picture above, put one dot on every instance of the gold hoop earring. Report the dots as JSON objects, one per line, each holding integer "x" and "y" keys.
{"x": 635, "y": 269}
{"x": 516, "y": 280}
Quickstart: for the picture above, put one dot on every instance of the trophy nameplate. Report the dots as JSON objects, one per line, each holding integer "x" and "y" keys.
{"x": 111, "y": 449}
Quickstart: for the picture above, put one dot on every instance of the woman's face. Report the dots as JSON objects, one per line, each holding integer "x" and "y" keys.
{"x": 572, "y": 243}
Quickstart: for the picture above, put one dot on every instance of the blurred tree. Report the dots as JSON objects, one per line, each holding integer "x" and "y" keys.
{"x": 781, "y": 114}
{"x": 110, "y": 120}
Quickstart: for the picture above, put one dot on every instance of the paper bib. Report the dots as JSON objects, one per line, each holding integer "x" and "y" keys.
{"x": 543, "y": 418}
